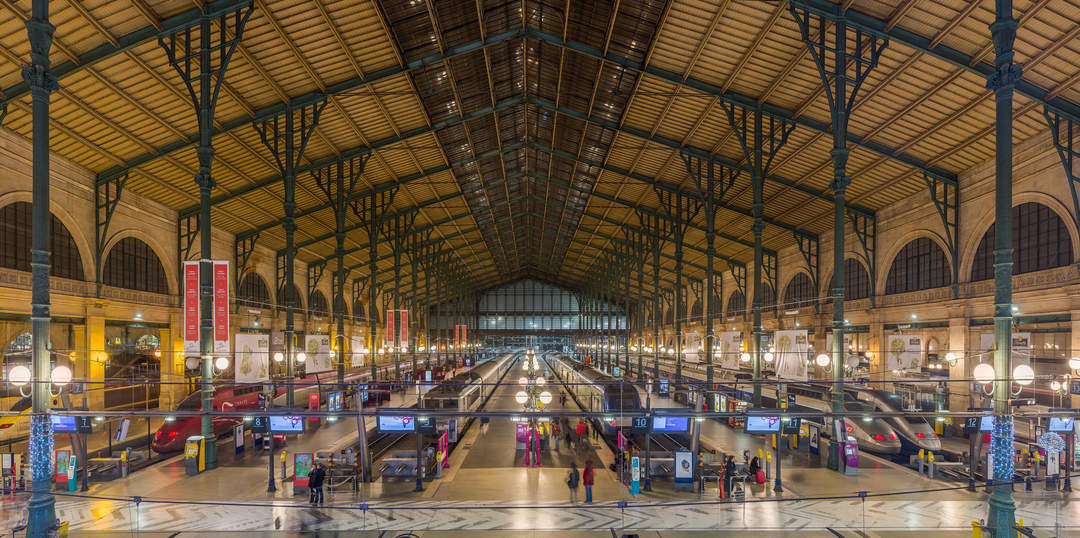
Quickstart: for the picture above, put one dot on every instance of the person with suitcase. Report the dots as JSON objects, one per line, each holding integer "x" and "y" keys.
{"x": 755, "y": 470}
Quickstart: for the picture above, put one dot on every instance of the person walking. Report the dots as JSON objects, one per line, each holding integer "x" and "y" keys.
{"x": 568, "y": 437}
{"x": 315, "y": 483}
{"x": 555, "y": 434}
{"x": 572, "y": 482}
{"x": 587, "y": 479}
{"x": 729, "y": 474}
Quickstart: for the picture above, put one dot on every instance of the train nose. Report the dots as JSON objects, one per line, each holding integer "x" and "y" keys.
{"x": 166, "y": 440}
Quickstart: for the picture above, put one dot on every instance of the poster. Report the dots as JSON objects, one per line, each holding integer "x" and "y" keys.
{"x": 684, "y": 468}
{"x": 791, "y": 353}
{"x": 356, "y": 357}
{"x": 317, "y": 347}
{"x": 390, "y": 327}
{"x": 221, "y": 306}
{"x": 692, "y": 343}
{"x": 904, "y": 352}
{"x": 191, "y": 307}
{"x": 730, "y": 349}
{"x": 828, "y": 343}
{"x": 62, "y": 457}
{"x": 302, "y": 468}
{"x": 812, "y": 431}
{"x": 252, "y": 358}
{"x": 1021, "y": 347}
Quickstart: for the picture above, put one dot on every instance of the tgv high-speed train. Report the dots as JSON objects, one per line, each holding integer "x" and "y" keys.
{"x": 597, "y": 392}
{"x": 914, "y": 432}
{"x": 171, "y": 436}
{"x": 873, "y": 434}
{"x": 468, "y": 390}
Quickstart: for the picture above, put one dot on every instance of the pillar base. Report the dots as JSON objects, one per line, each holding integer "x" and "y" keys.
{"x": 211, "y": 452}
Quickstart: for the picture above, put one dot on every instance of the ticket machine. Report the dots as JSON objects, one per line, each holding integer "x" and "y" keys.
{"x": 195, "y": 455}
{"x": 851, "y": 456}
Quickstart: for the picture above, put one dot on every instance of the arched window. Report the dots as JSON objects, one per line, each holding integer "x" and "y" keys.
{"x": 133, "y": 265}
{"x": 768, "y": 298}
{"x": 253, "y": 292}
{"x": 16, "y": 233}
{"x": 669, "y": 317}
{"x": 696, "y": 311}
{"x": 1040, "y": 241}
{"x": 799, "y": 292}
{"x": 341, "y": 306}
{"x": 920, "y": 265}
{"x": 317, "y": 305}
{"x": 736, "y": 304}
{"x": 358, "y": 309}
{"x": 293, "y": 297}
{"x": 856, "y": 280}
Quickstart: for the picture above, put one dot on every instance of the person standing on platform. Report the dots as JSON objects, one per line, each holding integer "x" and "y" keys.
{"x": 484, "y": 421}
{"x": 555, "y": 432}
{"x": 318, "y": 475}
{"x": 587, "y": 479}
{"x": 572, "y": 482}
{"x": 729, "y": 474}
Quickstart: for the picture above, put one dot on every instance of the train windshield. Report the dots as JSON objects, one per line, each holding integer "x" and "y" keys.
{"x": 617, "y": 399}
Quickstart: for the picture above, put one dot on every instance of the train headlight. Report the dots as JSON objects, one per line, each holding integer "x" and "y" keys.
{"x": 521, "y": 397}
{"x": 19, "y": 375}
{"x": 545, "y": 397}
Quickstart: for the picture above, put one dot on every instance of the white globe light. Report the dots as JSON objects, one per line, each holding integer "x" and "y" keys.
{"x": 540, "y": 381}
{"x": 1055, "y": 385}
{"x": 19, "y": 375}
{"x": 768, "y": 356}
{"x": 545, "y": 397}
{"x": 191, "y": 363}
{"x": 521, "y": 397}
{"x": 1023, "y": 374}
{"x": 301, "y": 357}
{"x": 1074, "y": 363}
{"x": 221, "y": 363}
{"x": 279, "y": 356}
{"x": 744, "y": 357}
{"x": 61, "y": 375}
{"x": 823, "y": 360}
{"x": 950, "y": 356}
{"x": 523, "y": 381}
{"x": 983, "y": 373}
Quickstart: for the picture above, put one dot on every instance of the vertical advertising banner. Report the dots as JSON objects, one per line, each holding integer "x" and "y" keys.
{"x": 252, "y": 358}
{"x": 221, "y": 306}
{"x": 403, "y": 321}
{"x": 1021, "y": 347}
{"x": 356, "y": 359}
{"x": 191, "y": 307}
{"x": 904, "y": 352}
{"x": 464, "y": 337}
{"x": 791, "y": 355}
{"x": 390, "y": 328}
{"x": 730, "y": 349}
{"x": 317, "y": 347}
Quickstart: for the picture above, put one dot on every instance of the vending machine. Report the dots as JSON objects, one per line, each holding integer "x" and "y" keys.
{"x": 851, "y": 457}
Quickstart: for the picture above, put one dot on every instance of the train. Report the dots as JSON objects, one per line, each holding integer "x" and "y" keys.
{"x": 468, "y": 390}
{"x": 170, "y": 437}
{"x": 873, "y": 434}
{"x": 915, "y": 432}
{"x": 598, "y": 392}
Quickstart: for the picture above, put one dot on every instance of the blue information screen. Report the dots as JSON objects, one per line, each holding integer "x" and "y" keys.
{"x": 427, "y": 375}
{"x": 671, "y": 424}
{"x": 396, "y": 424}
{"x": 280, "y": 424}
{"x": 333, "y": 402}
{"x": 363, "y": 393}
{"x": 757, "y": 424}
{"x": 1057, "y": 424}
{"x": 663, "y": 386}
{"x": 63, "y": 424}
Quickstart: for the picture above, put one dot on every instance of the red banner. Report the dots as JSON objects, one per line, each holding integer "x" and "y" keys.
{"x": 389, "y": 328}
{"x": 191, "y": 307}
{"x": 404, "y": 322}
{"x": 221, "y": 306}
{"x": 463, "y": 336}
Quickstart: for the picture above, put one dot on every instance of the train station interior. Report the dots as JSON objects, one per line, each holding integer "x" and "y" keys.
{"x": 498, "y": 268}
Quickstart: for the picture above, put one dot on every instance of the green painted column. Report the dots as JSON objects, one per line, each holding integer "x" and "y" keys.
{"x": 1002, "y": 509}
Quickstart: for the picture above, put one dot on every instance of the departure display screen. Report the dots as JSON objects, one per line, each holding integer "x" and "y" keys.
{"x": 671, "y": 424}
{"x": 1057, "y": 424}
{"x": 396, "y": 424}
{"x": 280, "y": 424}
{"x": 63, "y": 424}
{"x": 758, "y": 424}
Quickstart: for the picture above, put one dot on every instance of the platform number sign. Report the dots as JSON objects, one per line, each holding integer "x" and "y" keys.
{"x": 971, "y": 424}
{"x": 259, "y": 425}
{"x": 640, "y": 425}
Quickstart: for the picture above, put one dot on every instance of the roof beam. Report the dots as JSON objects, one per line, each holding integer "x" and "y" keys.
{"x": 333, "y": 89}
{"x": 124, "y": 43}
{"x": 907, "y": 38}
{"x": 739, "y": 100}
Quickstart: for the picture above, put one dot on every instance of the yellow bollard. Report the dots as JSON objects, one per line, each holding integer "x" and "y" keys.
{"x": 1020, "y": 523}
{"x": 760, "y": 454}
{"x": 922, "y": 454}
{"x": 929, "y": 456}
{"x": 976, "y": 529}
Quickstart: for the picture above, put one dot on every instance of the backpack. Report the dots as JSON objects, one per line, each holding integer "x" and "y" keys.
{"x": 572, "y": 479}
